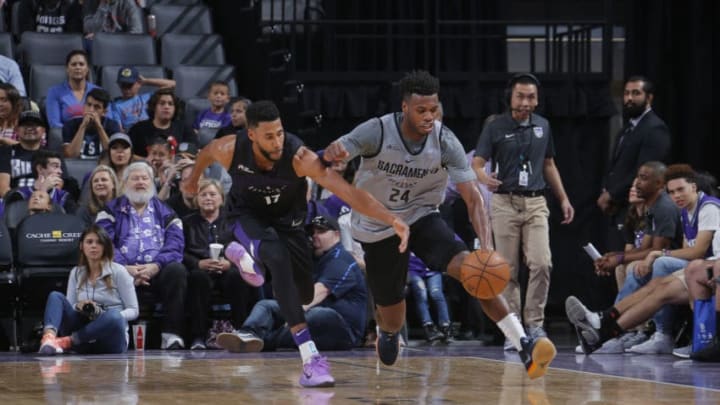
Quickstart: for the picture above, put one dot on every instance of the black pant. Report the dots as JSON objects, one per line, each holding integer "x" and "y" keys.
{"x": 234, "y": 290}
{"x": 170, "y": 286}
{"x": 286, "y": 253}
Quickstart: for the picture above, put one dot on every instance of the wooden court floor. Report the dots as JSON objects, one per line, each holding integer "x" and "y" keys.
{"x": 459, "y": 374}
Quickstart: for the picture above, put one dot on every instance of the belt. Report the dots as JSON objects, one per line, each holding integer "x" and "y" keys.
{"x": 523, "y": 193}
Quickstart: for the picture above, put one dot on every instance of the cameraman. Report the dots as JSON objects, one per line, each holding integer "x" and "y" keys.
{"x": 100, "y": 302}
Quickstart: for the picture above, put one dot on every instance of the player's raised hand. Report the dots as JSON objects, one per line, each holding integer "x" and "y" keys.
{"x": 335, "y": 151}
{"x": 403, "y": 231}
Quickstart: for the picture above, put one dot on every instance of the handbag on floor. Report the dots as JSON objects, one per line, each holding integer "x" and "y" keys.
{"x": 704, "y": 327}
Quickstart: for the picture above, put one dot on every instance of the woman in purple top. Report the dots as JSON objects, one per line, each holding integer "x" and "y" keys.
{"x": 65, "y": 101}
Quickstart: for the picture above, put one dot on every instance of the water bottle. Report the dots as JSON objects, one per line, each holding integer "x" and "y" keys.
{"x": 151, "y": 25}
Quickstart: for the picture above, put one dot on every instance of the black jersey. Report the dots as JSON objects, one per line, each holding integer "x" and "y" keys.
{"x": 278, "y": 195}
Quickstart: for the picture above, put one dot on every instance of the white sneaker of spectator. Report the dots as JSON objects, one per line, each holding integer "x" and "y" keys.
{"x": 631, "y": 339}
{"x": 659, "y": 343}
{"x": 612, "y": 346}
{"x": 171, "y": 341}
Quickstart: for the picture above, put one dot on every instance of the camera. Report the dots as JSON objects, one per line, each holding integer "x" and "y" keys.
{"x": 88, "y": 309}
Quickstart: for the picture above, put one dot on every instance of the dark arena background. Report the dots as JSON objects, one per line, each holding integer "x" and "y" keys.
{"x": 330, "y": 65}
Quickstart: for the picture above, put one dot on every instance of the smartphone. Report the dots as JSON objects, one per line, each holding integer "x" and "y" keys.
{"x": 709, "y": 273}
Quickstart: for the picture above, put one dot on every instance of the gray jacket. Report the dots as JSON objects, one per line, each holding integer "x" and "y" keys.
{"x": 121, "y": 296}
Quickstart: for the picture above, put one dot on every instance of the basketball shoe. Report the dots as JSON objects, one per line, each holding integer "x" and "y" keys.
{"x": 249, "y": 270}
{"x": 387, "y": 347}
{"x": 316, "y": 373}
{"x": 537, "y": 354}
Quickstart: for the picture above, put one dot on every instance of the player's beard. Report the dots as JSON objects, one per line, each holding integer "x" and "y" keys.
{"x": 140, "y": 197}
{"x": 267, "y": 155}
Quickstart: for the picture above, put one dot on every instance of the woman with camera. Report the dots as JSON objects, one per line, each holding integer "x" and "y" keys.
{"x": 100, "y": 301}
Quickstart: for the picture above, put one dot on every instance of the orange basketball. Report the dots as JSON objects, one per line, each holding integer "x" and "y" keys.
{"x": 484, "y": 273}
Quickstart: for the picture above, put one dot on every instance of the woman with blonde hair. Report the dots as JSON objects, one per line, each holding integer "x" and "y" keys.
{"x": 103, "y": 188}
{"x": 100, "y": 301}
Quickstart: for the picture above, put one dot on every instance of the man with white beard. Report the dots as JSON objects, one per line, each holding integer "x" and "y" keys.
{"x": 149, "y": 242}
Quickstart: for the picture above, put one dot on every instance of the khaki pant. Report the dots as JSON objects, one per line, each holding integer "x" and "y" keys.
{"x": 523, "y": 222}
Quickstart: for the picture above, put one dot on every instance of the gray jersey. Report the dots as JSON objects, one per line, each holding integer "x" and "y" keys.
{"x": 409, "y": 181}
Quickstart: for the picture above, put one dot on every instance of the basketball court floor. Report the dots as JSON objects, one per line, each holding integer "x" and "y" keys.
{"x": 460, "y": 373}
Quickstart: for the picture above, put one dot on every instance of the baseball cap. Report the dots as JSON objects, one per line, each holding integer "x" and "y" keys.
{"x": 325, "y": 222}
{"x": 128, "y": 75}
{"x": 119, "y": 137}
{"x": 31, "y": 116}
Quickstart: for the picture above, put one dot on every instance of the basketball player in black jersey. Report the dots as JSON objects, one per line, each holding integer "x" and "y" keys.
{"x": 267, "y": 203}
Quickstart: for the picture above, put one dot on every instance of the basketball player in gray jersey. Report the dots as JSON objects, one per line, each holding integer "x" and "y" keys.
{"x": 407, "y": 158}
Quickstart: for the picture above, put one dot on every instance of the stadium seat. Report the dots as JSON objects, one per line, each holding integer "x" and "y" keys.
{"x": 194, "y": 81}
{"x": 193, "y": 106}
{"x": 8, "y": 282}
{"x": 48, "y": 49}
{"x": 42, "y": 77}
{"x": 78, "y": 168}
{"x": 55, "y": 139}
{"x": 123, "y": 49}
{"x": 108, "y": 78}
{"x": 6, "y": 45}
{"x": 6, "y": 256}
{"x": 16, "y": 209}
{"x": 47, "y": 249}
{"x": 182, "y": 19}
{"x": 189, "y": 49}
{"x": 15, "y": 19}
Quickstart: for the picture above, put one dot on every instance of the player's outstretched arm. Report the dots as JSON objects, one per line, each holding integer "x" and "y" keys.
{"x": 307, "y": 163}
{"x": 476, "y": 212}
{"x": 335, "y": 152}
{"x": 220, "y": 150}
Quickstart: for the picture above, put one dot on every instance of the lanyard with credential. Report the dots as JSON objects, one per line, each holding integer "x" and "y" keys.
{"x": 525, "y": 155}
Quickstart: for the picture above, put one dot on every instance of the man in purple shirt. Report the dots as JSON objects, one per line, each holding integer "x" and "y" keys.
{"x": 149, "y": 242}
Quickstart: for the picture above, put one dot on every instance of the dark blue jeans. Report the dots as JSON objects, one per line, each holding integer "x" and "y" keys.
{"x": 432, "y": 286}
{"x": 327, "y": 328}
{"x": 106, "y": 334}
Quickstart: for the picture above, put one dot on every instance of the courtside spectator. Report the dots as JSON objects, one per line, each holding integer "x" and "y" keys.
{"x": 149, "y": 242}
{"x": 206, "y": 226}
{"x": 103, "y": 189}
{"x": 93, "y": 316}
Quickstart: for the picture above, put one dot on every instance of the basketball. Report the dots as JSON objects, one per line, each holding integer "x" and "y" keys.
{"x": 484, "y": 273}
